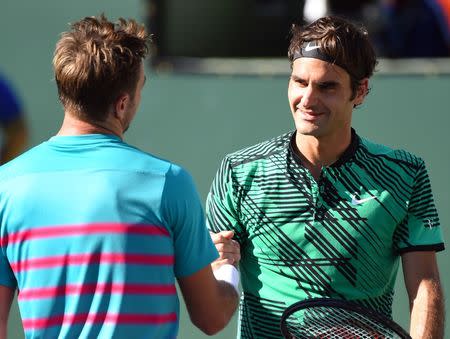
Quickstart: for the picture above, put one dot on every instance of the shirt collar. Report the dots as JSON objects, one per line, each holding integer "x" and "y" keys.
{"x": 346, "y": 157}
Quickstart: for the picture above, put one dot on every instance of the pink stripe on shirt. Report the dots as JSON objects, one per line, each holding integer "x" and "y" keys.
{"x": 110, "y": 288}
{"x": 94, "y": 228}
{"x": 94, "y": 258}
{"x": 70, "y": 319}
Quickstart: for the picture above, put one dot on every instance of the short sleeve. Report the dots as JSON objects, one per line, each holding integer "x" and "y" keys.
{"x": 183, "y": 212}
{"x": 421, "y": 230}
{"x": 221, "y": 205}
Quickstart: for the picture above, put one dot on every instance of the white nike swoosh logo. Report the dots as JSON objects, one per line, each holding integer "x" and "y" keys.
{"x": 360, "y": 201}
{"x": 310, "y": 48}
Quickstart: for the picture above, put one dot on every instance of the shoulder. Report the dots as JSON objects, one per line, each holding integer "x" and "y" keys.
{"x": 53, "y": 156}
{"x": 390, "y": 155}
{"x": 260, "y": 151}
{"x": 177, "y": 178}
{"x": 179, "y": 186}
{"x": 173, "y": 171}
{"x": 148, "y": 161}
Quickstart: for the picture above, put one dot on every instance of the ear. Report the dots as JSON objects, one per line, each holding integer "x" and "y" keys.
{"x": 121, "y": 106}
{"x": 361, "y": 91}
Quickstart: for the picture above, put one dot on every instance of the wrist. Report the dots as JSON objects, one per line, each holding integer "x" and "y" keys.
{"x": 229, "y": 274}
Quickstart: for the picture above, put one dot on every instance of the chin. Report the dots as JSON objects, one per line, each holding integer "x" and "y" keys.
{"x": 309, "y": 133}
{"x": 311, "y": 130}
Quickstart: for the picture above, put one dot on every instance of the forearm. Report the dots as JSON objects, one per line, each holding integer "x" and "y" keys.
{"x": 427, "y": 311}
{"x": 4, "y": 324}
{"x": 210, "y": 300}
{"x": 227, "y": 298}
{"x": 213, "y": 314}
{"x": 3, "y": 328}
{"x": 6, "y": 298}
{"x": 230, "y": 298}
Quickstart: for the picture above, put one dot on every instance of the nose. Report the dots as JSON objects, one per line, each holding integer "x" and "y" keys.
{"x": 309, "y": 97}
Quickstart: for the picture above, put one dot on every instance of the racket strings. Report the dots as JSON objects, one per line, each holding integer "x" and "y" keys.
{"x": 330, "y": 323}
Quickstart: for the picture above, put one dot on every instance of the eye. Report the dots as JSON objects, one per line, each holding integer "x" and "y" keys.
{"x": 299, "y": 81}
{"x": 326, "y": 86}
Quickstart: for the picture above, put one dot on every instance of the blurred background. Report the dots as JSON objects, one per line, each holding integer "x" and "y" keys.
{"x": 217, "y": 82}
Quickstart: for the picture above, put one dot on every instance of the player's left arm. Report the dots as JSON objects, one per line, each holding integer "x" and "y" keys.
{"x": 15, "y": 139}
{"x": 426, "y": 300}
{"x": 6, "y": 298}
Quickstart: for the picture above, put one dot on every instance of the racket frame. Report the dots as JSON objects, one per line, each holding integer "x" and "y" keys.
{"x": 340, "y": 304}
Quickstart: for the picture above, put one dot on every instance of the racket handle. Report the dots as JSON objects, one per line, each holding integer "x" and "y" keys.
{"x": 228, "y": 273}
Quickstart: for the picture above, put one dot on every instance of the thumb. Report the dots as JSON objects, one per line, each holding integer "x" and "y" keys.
{"x": 227, "y": 234}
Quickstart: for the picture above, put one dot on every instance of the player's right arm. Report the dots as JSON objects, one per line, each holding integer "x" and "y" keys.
{"x": 6, "y": 298}
{"x": 210, "y": 298}
{"x": 210, "y": 302}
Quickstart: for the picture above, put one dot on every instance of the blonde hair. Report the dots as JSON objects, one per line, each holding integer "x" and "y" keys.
{"x": 96, "y": 62}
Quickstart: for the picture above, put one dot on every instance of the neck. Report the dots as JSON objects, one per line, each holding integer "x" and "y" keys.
{"x": 317, "y": 152}
{"x": 74, "y": 126}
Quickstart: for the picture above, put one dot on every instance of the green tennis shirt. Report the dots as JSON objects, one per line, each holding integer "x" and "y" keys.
{"x": 339, "y": 237}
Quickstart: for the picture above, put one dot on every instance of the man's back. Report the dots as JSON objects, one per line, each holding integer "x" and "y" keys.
{"x": 91, "y": 229}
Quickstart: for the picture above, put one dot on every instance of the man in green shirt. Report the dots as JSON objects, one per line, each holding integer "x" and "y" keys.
{"x": 322, "y": 211}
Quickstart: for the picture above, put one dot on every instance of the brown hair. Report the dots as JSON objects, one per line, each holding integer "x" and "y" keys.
{"x": 345, "y": 43}
{"x": 97, "y": 61}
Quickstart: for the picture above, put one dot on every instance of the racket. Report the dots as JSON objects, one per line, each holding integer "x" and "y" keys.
{"x": 332, "y": 318}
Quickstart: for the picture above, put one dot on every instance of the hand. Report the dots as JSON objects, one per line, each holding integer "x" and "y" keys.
{"x": 229, "y": 249}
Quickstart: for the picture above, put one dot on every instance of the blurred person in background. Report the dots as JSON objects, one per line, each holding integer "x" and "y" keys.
{"x": 94, "y": 233}
{"x": 415, "y": 28}
{"x": 353, "y": 10}
{"x": 13, "y": 134}
{"x": 399, "y": 28}
{"x": 445, "y": 5}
